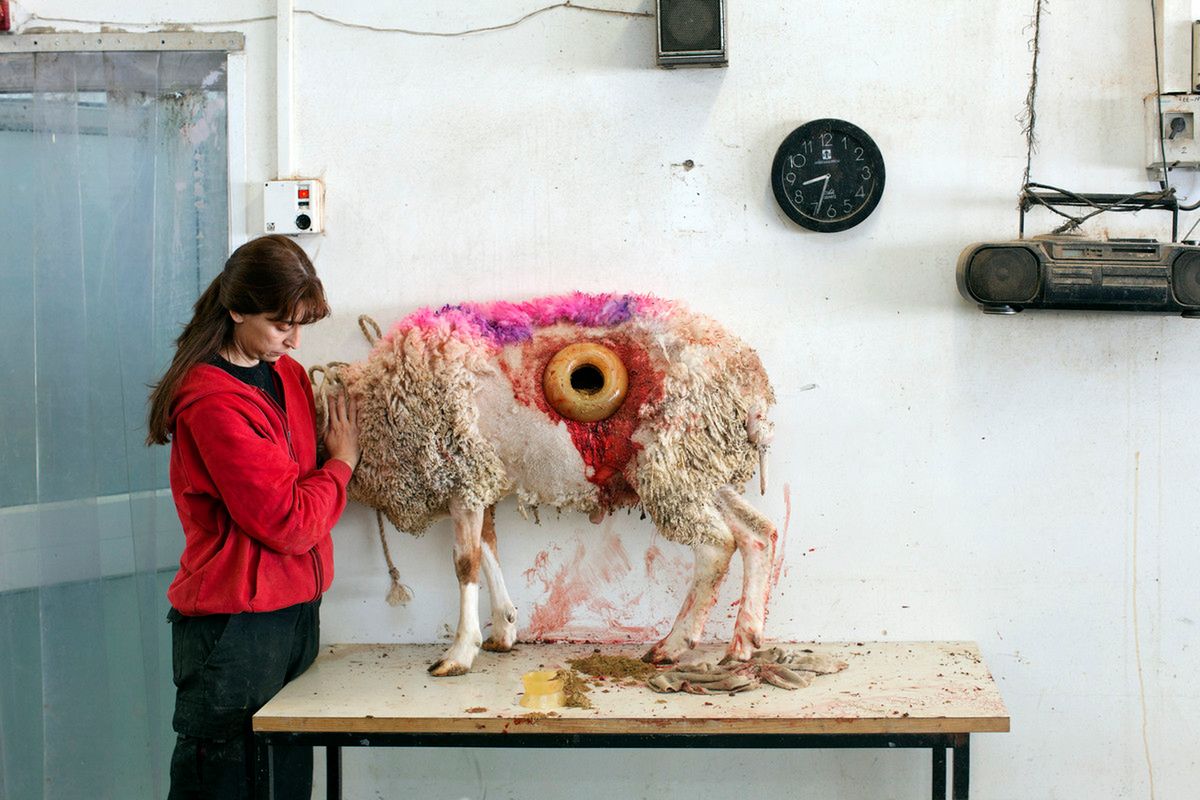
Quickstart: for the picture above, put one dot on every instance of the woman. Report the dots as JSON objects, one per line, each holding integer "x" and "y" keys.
{"x": 256, "y": 511}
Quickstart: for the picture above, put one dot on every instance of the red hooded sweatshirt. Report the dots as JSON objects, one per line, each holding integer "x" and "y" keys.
{"x": 256, "y": 510}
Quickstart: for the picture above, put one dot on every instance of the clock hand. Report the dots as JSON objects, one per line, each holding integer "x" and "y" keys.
{"x": 824, "y": 187}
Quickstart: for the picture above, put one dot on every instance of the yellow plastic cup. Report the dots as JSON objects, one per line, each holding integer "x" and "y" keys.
{"x": 543, "y": 689}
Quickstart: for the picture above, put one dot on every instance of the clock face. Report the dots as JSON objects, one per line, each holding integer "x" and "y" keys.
{"x": 828, "y": 175}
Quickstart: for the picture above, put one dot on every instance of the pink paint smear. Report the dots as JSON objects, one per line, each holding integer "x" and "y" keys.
{"x": 503, "y": 323}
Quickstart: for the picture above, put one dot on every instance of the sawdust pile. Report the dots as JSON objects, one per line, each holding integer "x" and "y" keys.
{"x": 575, "y": 689}
{"x": 602, "y": 666}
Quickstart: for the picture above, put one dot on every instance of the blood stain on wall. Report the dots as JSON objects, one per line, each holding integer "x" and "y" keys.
{"x": 595, "y": 595}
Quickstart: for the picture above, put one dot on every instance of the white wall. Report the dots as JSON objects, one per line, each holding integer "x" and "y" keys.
{"x": 1023, "y": 482}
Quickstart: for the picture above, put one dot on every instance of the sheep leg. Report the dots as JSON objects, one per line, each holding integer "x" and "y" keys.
{"x": 711, "y": 564}
{"x": 504, "y": 613}
{"x": 468, "y": 530}
{"x": 755, "y": 537}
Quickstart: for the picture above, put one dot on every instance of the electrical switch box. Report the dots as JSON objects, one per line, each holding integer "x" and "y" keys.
{"x": 1172, "y": 132}
{"x": 294, "y": 206}
{"x": 1196, "y": 56}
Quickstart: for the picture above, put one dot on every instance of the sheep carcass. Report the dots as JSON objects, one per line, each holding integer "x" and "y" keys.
{"x": 455, "y": 416}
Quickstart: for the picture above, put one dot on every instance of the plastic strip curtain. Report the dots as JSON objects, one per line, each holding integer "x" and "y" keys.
{"x": 113, "y": 174}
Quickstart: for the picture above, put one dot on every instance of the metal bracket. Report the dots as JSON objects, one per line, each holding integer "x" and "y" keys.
{"x": 1040, "y": 196}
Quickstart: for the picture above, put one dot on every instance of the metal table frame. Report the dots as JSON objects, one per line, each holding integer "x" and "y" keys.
{"x": 940, "y": 743}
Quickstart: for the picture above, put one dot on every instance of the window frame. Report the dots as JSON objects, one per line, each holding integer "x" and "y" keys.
{"x": 232, "y": 43}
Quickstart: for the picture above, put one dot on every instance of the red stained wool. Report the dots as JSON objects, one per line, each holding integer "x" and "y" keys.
{"x": 606, "y": 445}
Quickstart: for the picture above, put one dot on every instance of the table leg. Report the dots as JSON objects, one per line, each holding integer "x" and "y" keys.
{"x": 333, "y": 772}
{"x": 939, "y": 773}
{"x": 962, "y": 765}
{"x": 262, "y": 769}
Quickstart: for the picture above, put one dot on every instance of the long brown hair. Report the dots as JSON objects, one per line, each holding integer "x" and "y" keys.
{"x": 270, "y": 274}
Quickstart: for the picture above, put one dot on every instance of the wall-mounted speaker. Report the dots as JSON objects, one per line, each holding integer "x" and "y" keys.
{"x": 691, "y": 33}
{"x": 1064, "y": 272}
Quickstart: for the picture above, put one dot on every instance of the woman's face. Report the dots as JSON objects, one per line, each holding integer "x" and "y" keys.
{"x": 261, "y": 337}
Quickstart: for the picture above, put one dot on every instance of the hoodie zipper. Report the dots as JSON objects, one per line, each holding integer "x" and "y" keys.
{"x": 287, "y": 427}
{"x": 318, "y": 573}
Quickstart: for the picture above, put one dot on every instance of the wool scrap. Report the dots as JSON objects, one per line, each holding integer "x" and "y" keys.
{"x": 778, "y": 667}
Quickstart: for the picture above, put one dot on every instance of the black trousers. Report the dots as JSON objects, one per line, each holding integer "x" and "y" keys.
{"x": 226, "y": 667}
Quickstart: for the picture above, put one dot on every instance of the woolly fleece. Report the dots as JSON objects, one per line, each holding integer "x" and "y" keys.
{"x": 419, "y": 404}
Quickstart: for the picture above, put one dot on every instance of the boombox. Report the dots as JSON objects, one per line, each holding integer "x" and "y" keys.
{"x": 1065, "y": 272}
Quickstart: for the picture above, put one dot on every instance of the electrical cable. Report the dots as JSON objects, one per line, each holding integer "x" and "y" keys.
{"x": 1139, "y": 200}
{"x": 568, "y": 4}
{"x": 1184, "y": 238}
{"x": 1165, "y": 181}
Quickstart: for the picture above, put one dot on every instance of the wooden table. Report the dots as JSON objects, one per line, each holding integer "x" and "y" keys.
{"x": 893, "y": 694}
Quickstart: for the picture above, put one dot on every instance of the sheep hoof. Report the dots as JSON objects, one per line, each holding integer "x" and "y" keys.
{"x": 494, "y": 645}
{"x": 445, "y": 668}
{"x": 658, "y": 655}
{"x": 736, "y": 654}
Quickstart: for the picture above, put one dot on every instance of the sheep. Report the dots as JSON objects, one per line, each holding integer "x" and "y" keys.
{"x": 454, "y": 417}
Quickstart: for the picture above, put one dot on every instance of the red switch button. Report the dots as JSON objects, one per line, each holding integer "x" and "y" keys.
{"x": 302, "y": 194}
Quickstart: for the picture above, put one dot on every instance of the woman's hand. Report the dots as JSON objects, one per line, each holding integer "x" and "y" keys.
{"x": 341, "y": 437}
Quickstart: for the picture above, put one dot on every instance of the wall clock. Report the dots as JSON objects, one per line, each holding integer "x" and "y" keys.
{"x": 828, "y": 175}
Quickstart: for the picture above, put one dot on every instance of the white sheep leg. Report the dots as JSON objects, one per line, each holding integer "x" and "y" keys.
{"x": 711, "y": 564}
{"x": 504, "y": 613}
{"x": 755, "y": 536}
{"x": 468, "y": 529}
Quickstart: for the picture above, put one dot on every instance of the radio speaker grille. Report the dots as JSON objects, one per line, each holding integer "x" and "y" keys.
{"x": 1185, "y": 279}
{"x": 1006, "y": 275}
{"x": 689, "y": 26}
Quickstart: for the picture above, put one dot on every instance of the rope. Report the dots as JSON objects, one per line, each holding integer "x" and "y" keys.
{"x": 1030, "y": 114}
{"x": 328, "y": 373}
{"x": 331, "y": 383}
{"x": 373, "y": 335}
{"x": 399, "y": 593}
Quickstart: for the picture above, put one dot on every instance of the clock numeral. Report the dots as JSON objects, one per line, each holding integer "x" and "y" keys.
{"x": 831, "y": 212}
{"x": 866, "y": 173}
{"x": 845, "y": 143}
{"x": 807, "y": 145}
{"x": 797, "y": 161}
{"x": 861, "y": 192}
{"x": 847, "y": 206}
{"x": 799, "y": 196}
{"x": 826, "y": 139}
{"x": 790, "y": 177}
{"x": 858, "y": 154}
{"x": 823, "y": 194}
